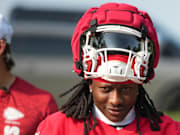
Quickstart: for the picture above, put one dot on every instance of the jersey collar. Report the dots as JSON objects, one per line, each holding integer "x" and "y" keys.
{"x": 127, "y": 120}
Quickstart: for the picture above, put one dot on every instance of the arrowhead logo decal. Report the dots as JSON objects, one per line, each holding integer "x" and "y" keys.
{"x": 11, "y": 113}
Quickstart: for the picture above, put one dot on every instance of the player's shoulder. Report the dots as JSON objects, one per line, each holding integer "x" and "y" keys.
{"x": 56, "y": 118}
{"x": 55, "y": 123}
{"x": 27, "y": 87}
{"x": 171, "y": 125}
{"x": 168, "y": 121}
{"x": 60, "y": 118}
{"x": 26, "y": 90}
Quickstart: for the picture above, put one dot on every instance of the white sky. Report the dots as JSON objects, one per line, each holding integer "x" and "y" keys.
{"x": 165, "y": 13}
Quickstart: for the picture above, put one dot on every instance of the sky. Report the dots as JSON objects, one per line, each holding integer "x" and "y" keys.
{"x": 164, "y": 12}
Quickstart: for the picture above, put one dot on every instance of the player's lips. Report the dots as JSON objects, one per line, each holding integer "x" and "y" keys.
{"x": 115, "y": 111}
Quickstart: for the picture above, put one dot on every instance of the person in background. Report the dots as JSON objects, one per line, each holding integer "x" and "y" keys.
{"x": 115, "y": 50}
{"x": 22, "y": 105}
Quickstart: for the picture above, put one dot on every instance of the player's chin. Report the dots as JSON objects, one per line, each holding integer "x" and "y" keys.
{"x": 116, "y": 115}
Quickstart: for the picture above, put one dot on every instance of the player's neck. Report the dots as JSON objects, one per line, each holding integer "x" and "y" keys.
{"x": 6, "y": 77}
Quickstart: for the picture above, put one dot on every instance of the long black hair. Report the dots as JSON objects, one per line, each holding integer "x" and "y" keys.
{"x": 9, "y": 62}
{"x": 80, "y": 104}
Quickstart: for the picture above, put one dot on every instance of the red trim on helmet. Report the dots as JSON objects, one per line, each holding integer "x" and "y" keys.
{"x": 122, "y": 58}
{"x": 118, "y": 57}
{"x": 105, "y": 81}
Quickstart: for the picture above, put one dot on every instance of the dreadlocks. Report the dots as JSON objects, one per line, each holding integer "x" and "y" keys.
{"x": 80, "y": 104}
{"x": 145, "y": 108}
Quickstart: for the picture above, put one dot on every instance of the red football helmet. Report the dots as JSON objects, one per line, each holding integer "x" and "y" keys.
{"x": 115, "y": 43}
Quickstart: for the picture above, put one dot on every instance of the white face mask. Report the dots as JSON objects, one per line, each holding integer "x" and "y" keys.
{"x": 115, "y": 70}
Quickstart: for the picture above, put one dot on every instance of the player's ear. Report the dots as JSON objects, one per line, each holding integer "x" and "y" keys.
{"x": 2, "y": 46}
{"x": 90, "y": 85}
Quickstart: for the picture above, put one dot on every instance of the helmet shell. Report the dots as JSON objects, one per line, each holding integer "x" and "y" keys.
{"x": 113, "y": 13}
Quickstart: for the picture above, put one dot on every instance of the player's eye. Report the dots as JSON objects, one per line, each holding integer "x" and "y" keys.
{"x": 127, "y": 90}
{"x": 106, "y": 89}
